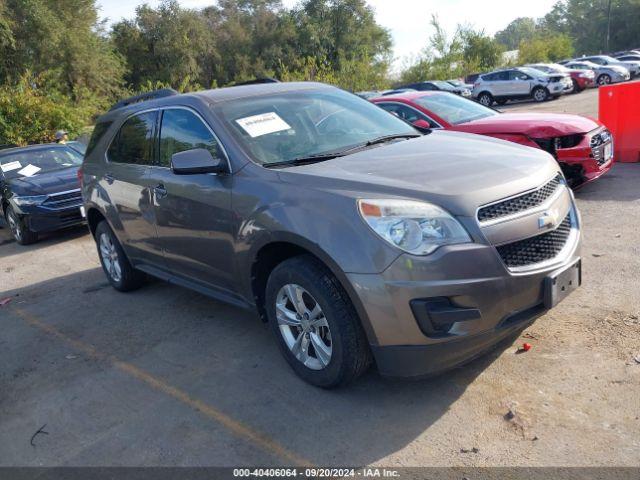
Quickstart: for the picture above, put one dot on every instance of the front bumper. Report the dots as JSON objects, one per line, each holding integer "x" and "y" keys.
{"x": 583, "y": 164}
{"x": 472, "y": 278}
{"x": 41, "y": 219}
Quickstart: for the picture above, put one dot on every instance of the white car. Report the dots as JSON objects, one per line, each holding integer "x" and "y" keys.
{"x": 632, "y": 65}
{"x": 519, "y": 83}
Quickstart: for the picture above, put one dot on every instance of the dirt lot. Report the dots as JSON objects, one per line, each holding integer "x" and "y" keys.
{"x": 165, "y": 376}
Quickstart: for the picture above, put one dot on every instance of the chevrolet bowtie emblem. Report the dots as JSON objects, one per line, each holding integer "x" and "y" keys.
{"x": 548, "y": 219}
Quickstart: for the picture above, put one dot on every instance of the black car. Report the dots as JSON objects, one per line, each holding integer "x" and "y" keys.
{"x": 40, "y": 190}
{"x": 438, "y": 85}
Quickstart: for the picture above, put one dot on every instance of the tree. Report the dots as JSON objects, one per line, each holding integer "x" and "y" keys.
{"x": 445, "y": 57}
{"x": 545, "y": 48}
{"x": 519, "y": 30}
{"x": 585, "y": 22}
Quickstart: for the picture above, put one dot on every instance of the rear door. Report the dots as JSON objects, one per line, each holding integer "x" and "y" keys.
{"x": 127, "y": 184}
{"x": 500, "y": 84}
{"x": 193, "y": 212}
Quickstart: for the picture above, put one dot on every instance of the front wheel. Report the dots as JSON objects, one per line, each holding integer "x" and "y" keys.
{"x": 485, "y": 99}
{"x": 315, "y": 324}
{"x": 604, "y": 79}
{"x": 20, "y": 228}
{"x": 540, "y": 94}
{"x": 115, "y": 264}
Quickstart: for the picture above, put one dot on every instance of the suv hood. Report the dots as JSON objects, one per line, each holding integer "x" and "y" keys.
{"x": 454, "y": 170}
{"x": 533, "y": 125}
{"x": 46, "y": 183}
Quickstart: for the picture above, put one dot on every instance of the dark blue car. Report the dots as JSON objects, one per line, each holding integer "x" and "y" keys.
{"x": 39, "y": 189}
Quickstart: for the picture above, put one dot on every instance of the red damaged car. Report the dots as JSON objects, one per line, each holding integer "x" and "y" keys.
{"x": 582, "y": 146}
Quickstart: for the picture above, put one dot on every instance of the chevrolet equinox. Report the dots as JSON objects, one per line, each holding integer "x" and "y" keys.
{"x": 355, "y": 237}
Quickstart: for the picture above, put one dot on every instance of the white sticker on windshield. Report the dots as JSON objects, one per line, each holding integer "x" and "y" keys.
{"x": 7, "y": 167}
{"x": 29, "y": 170}
{"x": 263, "y": 124}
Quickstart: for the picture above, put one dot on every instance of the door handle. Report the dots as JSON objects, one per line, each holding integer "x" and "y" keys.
{"x": 109, "y": 178}
{"x": 160, "y": 191}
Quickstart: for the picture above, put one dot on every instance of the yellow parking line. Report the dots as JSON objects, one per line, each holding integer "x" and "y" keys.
{"x": 236, "y": 427}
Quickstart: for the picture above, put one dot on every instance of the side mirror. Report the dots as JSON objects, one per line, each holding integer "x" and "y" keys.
{"x": 422, "y": 125}
{"x": 198, "y": 160}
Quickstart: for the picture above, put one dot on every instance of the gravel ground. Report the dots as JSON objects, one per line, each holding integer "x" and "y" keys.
{"x": 165, "y": 376}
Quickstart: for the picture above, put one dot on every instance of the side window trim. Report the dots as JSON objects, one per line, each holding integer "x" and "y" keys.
{"x": 225, "y": 156}
{"x": 117, "y": 135}
{"x": 417, "y": 111}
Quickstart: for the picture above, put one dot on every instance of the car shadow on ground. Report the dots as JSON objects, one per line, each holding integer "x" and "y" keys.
{"x": 44, "y": 239}
{"x": 214, "y": 353}
{"x": 619, "y": 184}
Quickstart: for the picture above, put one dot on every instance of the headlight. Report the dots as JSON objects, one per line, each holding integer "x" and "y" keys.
{"x": 28, "y": 201}
{"x": 415, "y": 227}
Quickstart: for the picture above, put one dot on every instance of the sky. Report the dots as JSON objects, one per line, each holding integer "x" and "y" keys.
{"x": 407, "y": 20}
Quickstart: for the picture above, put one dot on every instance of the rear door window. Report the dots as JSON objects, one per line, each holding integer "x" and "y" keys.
{"x": 134, "y": 141}
{"x": 183, "y": 130}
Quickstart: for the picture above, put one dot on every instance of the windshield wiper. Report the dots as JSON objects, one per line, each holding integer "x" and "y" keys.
{"x": 386, "y": 138}
{"x": 320, "y": 157}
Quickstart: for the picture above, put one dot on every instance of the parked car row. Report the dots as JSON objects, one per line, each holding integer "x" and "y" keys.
{"x": 361, "y": 231}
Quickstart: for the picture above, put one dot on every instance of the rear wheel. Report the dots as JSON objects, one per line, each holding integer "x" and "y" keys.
{"x": 20, "y": 228}
{"x": 115, "y": 264}
{"x": 604, "y": 79}
{"x": 486, "y": 99}
{"x": 540, "y": 94}
{"x": 315, "y": 324}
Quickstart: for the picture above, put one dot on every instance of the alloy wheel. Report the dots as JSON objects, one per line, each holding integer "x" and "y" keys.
{"x": 110, "y": 259}
{"x": 604, "y": 80}
{"x": 14, "y": 225}
{"x": 540, "y": 95}
{"x": 303, "y": 326}
{"x": 484, "y": 100}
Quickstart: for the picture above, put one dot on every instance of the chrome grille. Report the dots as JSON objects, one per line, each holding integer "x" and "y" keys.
{"x": 519, "y": 203}
{"x": 536, "y": 249}
{"x": 72, "y": 198}
{"x": 598, "y": 143}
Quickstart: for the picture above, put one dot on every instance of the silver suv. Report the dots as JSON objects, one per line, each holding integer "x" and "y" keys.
{"x": 520, "y": 83}
{"x": 353, "y": 235}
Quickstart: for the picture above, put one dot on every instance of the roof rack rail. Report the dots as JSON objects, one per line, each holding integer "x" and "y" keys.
{"x": 143, "y": 97}
{"x": 257, "y": 81}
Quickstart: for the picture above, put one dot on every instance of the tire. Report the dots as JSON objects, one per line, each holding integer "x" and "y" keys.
{"x": 344, "y": 352}
{"x": 116, "y": 266}
{"x": 502, "y": 101}
{"x": 486, "y": 99}
{"x": 576, "y": 87}
{"x": 540, "y": 94}
{"x": 20, "y": 228}
{"x": 604, "y": 79}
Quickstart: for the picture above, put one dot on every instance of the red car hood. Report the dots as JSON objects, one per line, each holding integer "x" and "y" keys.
{"x": 533, "y": 125}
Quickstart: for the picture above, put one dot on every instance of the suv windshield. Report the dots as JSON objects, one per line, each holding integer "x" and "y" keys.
{"x": 454, "y": 109}
{"x": 285, "y": 127}
{"x": 37, "y": 161}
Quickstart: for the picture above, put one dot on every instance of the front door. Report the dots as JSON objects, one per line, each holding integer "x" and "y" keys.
{"x": 127, "y": 184}
{"x": 193, "y": 212}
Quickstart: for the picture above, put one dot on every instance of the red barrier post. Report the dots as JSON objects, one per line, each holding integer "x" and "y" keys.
{"x": 619, "y": 110}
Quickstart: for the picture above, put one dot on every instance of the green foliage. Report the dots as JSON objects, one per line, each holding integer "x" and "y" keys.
{"x": 465, "y": 52}
{"x": 585, "y": 21}
{"x": 28, "y": 115}
{"x": 519, "y": 30}
{"x": 545, "y": 48}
